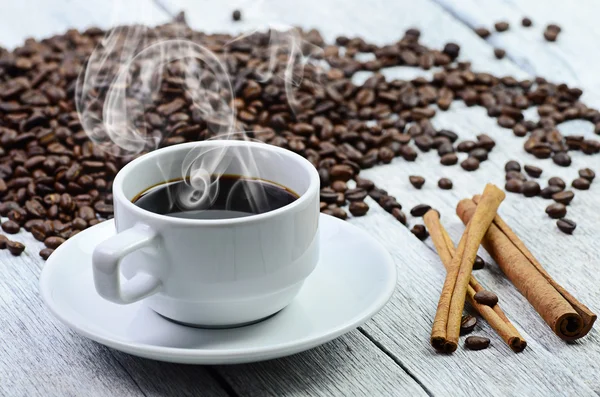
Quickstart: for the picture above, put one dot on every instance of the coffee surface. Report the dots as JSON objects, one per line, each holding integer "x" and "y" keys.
{"x": 226, "y": 197}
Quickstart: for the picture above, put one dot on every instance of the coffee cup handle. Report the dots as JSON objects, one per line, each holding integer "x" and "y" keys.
{"x": 106, "y": 261}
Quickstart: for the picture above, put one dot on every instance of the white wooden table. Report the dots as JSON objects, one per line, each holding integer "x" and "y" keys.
{"x": 390, "y": 355}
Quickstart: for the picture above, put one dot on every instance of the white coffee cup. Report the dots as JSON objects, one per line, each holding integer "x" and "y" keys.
{"x": 211, "y": 272}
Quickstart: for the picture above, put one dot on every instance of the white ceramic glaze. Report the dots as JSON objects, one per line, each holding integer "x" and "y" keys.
{"x": 354, "y": 278}
{"x": 217, "y": 272}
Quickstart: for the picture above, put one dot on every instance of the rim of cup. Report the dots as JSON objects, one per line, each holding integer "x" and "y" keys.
{"x": 313, "y": 187}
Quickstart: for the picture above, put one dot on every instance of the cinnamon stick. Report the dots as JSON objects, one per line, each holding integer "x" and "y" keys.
{"x": 568, "y": 318}
{"x": 446, "y": 324}
{"x": 493, "y": 315}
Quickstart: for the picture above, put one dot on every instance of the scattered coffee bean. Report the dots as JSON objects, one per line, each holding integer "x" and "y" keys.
{"x": 533, "y": 171}
{"x": 485, "y": 297}
{"x": 479, "y": 153}
{"x": 3, "y": 241}
{"x": 467, "y": 324}
{"x": 587, "y": 173}
{"x": 531, "y": 189}
{"x": 445, "y": 184}
{"x": 515, "y": 175}
{"x": 449, "y": 159}
{"x": 420, "y": 231}
{"x": 477, "y": 343}
{"x": 549, "y": 191}
{"x": 501, "y": 26}
{"x": 358, "y": 208}
{"x": 526, "y": 22}
{"x": 365, "y": 184}
{"x": 581, "y": 184}
{"x": 566, "y": 225}
{"x": 470, "y": 164}
{"x": 53, "y": 242}
{"x": 551, "y": 32}
{"x": 420, "y": 210}
{"x": 46, "y": 252}
{"x": 479, "y": 263}
{"x": 562, "y": 159}
{"x": 563, "y": 197}
{"x": 416, "y": 181}
{"x": 556, "y": 181}
{"x": 514, "y": 185}
{"x": 14, "y": 247}
{"x": 499, "y": 53}
{"x": 556, "y": 210}
{"x": 512, "y": 165}
{"x": 482, "y": 32}
{"x": 236, "y": 15}
{"x": 399, "y": 215}
{"x": 11, "y": 227}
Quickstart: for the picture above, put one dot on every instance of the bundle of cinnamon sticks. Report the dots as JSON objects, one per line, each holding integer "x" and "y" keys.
{"x": 567, "y": 317}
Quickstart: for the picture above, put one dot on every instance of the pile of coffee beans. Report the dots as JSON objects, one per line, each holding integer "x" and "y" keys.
{"x": 516, "y": 182}
{"x": 54, "y": 182}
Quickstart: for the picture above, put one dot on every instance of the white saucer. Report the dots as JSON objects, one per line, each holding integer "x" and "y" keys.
{"x": 353, "y": 280}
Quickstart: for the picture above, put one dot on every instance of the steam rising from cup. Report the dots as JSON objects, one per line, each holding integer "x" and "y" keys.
{"x": 134, "y": 68}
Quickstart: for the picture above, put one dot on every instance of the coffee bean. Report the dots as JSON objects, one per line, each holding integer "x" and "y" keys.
{"x": 46, "y": 252}
{"x": 376, "y": 193}
{"x": 467, "y": 324}
{"x": 15, "y": 248}
{"x": 512, "y": 165}
{"x": 587, "y": 173}
{"x": 236, "y": 15}
{"x": 470, "y": 164}
{"x": 556, "y": 210}
{"x": 399, "y": 215}
{"x": 562, "y": 159}
{"x": 556, "y": 181}
{"x": 327, "y": 195}
{"x": 420, "y": 231}
{"x": 388, "y": 203}
{"x": 356, "y": 194}
{"x": 477, "y": 343}
{"x": 53, "y": 242}
{"x": 452, "y": 50}
{"x": 485, "y": 297}
{"x": 566, "y": 225}
{"x": 3, "y": 241}
{"x": 479, "y": 263}
{"x": 416, "y": 181}
{"x": 482, "y": 32}
{"x": 530, "y": 189}
{"x": 420, "y": 210}
{"x": 581, "y": 184}
{"x": 358, "y": 208}
{"x": 501, "y": 26}
{"x": 339, "y": 186}
{"x": 339, "y": 213}
{"x": 11, "y": 227}
{"x": 549, "y": 191}
{"x": 526, "y": 22}
{"x": 466, "y": 146}
{"x": 449, "y": 159}
{"x": 342, "y": 172}
{"x": 533, "y": 171}
{"x": 499, "y": 53}
{"x": 479, "y": 153}
{"x": 514, "y": 185}
{"x": 564, "y": 197}
{"x": 365, "y": 184}
{"x": 445, "y": 184}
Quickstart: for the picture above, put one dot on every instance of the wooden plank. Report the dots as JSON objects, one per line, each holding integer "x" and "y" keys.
{"x": 348, "y": 366}
{"x": 570, "y": 59}
{"x": 40, "y": 357}
{"x": 41, "y": 19}
{"x": 404, "y": 325}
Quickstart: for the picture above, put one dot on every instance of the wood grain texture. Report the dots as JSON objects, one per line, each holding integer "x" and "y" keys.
{"x": 570, "y": 59}
{"x": 42, "y": 19}
{"x": 61, "y": 363}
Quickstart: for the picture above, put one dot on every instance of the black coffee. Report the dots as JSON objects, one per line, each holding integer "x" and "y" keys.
{"x": 228, "y": 196}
